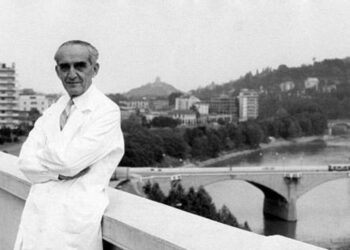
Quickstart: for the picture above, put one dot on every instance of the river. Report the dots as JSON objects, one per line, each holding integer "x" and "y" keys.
{"x": 323, "y": 213}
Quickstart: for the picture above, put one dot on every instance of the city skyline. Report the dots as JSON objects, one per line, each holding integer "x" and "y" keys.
{"x": 189, "y": 44}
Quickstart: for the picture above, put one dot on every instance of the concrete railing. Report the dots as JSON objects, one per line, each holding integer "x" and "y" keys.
{"x": 131, "y": 222}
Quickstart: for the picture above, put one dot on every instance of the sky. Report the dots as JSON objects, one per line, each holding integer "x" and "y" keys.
{"x": 187, "y": 43}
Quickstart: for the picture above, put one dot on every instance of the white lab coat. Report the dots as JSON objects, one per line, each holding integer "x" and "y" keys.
{"x": 66, "y": 215}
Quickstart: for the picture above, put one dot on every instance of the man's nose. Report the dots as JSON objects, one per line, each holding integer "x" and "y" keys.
{"x": 72, "y": 73}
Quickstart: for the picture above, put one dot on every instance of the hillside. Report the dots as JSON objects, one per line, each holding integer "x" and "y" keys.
{"x": 329, "y": 72}
{"x": 155, "y": 89}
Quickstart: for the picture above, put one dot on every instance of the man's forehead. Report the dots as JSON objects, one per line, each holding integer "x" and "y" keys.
{"x": 72, "y": 53}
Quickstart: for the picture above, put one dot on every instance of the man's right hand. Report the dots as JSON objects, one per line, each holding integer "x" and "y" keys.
{"x": 81, "y": 173}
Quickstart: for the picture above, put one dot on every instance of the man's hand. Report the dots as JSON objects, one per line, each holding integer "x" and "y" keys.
{"x": 81, "y": 173}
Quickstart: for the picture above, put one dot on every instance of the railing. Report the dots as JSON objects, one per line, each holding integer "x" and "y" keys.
{"x": 133, "y": 223}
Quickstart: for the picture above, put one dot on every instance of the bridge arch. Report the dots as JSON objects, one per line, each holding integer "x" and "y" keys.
{"x": 268, "y": 192}
{"x": 316, "y": 183}
{"x": 275, "y": 203}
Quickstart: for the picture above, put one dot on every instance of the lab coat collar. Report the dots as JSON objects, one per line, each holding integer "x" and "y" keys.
{"x": 86, "y": 100}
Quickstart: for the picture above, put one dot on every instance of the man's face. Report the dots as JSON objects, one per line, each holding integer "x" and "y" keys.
{"x": 75, "y": 69}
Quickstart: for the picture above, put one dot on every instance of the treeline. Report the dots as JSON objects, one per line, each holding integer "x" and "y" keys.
{"x": 335, "y": 103}
{"x": 197, "y": 202}
{"x": 11, "y": 135}
{"x": 329, "y": 71}
{"x": 291, "y": 116}
{"x": 147, "y": 145}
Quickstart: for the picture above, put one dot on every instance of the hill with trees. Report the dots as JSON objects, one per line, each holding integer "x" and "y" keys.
{"x": 332, "y": 93}
{"x": 155, "y": 89}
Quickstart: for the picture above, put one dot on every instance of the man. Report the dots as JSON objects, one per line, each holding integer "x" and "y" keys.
{"x": 69, "y": 157}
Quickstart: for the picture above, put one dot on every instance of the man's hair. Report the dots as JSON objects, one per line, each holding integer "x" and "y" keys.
{"x": 93, "y": 52}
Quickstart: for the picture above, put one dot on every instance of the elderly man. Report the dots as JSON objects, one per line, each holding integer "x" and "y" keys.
{"x": 69, "y": 157}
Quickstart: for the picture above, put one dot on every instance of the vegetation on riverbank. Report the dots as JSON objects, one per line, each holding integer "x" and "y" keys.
{"x": 147, "y": 145}
{"x": 194, "y": 201}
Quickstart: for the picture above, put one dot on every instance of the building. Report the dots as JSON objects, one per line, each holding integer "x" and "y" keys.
{"x": 202, "y": 108}
{"x": 223, "y": 106}
{"x": 187, "y": 117}
{"x": 248, "y": 104}
{"x": 52, "y": 98}
{"x": 149, "y": 116}
{"x": 312, "y": 83}
{"x": 329, "y": 88}
{"x": 185, "y": 102}
{"x": 9, "y": 116}
{"x": 34, "y": 101}
{"x": 159, "y": 104}
{"x": 141, "y": 105}
{"x": 287, "y": 86}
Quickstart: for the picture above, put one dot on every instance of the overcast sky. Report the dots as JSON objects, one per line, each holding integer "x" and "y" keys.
{"x": 187, "y": 43}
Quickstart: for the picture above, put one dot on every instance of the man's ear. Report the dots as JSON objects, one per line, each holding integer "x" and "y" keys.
{"x": 96, "y": 68}
{"x": 56, "y": 69}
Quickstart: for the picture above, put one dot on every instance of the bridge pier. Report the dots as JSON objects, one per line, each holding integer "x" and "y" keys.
{"x": 282, "y": 209}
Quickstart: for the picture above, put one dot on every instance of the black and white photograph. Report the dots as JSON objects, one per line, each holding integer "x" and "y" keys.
{"x": 168, "y": 125}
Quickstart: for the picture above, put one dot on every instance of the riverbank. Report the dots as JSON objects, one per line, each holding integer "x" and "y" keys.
{"x": 13, "y": 147}
{"x": 273, "y": 144}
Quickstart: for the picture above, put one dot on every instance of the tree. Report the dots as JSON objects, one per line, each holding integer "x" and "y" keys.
{"x": 196, "y": 202}
{"x": 254, "y": 134}
{"x": 154, "y": 192}
{"x": 176, "y": 197}
{"x": 142, "y": 148}
{"x": 319, "y": 123}
{"x": 214, "y": 143}
{"x": 33, "y": 115}
{"x": 204, "y": 204}
{"x": 133, "y": 123}
{"x": 6, "y": 134}
{"x": 164, "y": 121}
{"x": 195, "y": 110}
{"x": 225, "y": 216}
{"x": 199, "y": 147}
{"x": 236, "y": 134}
{"x": 173, "y": 143}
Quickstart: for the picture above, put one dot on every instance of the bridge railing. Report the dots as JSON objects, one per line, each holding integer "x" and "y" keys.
{"x": 131, "y": 222}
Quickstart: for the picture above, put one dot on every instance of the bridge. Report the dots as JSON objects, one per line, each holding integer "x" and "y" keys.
{"x": 129, "y": 217}
{"x": 282, "y": 186}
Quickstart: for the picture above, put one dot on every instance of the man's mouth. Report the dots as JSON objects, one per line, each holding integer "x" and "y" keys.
{"x": 71, "y": 83}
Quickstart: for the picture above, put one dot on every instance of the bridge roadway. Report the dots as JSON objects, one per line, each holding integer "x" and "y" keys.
{"x": 281, "y": 185}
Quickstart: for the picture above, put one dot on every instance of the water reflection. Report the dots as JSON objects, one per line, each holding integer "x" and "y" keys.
{"x": 273, "y": 226}
{"x": 311, "y": 153}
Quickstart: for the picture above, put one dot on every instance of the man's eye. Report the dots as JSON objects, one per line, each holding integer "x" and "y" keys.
{"x": 64, "y": 67}
{"x": 80, "y": 65}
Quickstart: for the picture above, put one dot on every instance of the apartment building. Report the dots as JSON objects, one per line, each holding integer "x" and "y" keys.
{"x": 185, "y": 102}
{"x": 33, "y": 101}
{"x": 9, "y": 116}
{"x": 248, "y": 104}
{"x": 224, "y": 106}
{"x": 141, "y": 105}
